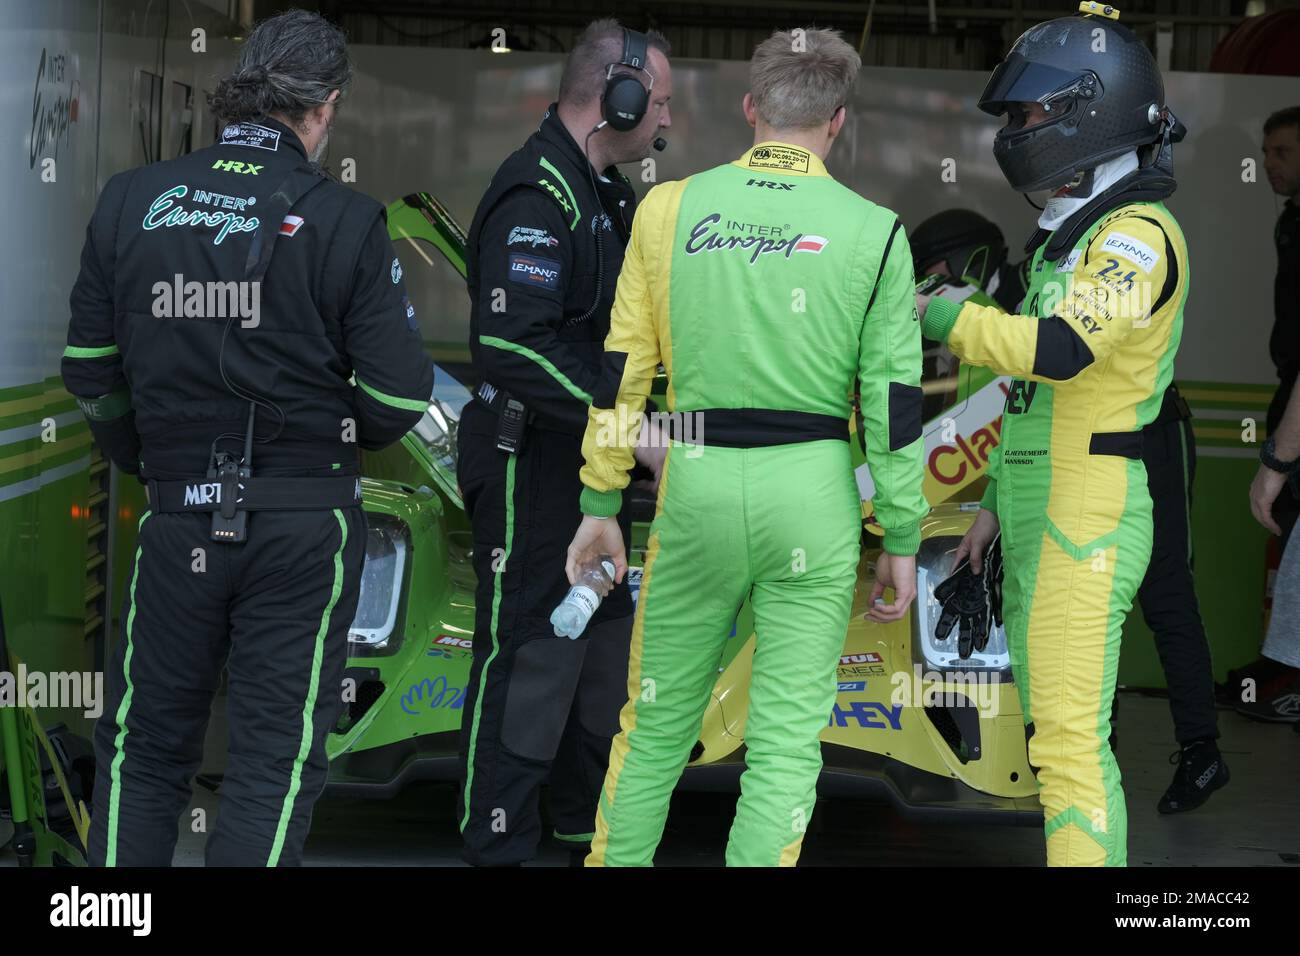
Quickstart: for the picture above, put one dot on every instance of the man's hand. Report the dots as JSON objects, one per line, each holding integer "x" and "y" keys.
{"x": 897, "y": 572}
{"x": 977, "y": 541}
{"x": 922, "y": 302}
{"x": 596, "y": 536}
{"x": 1263, "y": 492}
{"x": 650, "y": 452}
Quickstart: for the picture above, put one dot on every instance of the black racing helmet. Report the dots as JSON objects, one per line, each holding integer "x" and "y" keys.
{"x": 970, "y": 245}
{"x": 1098, "y": 81}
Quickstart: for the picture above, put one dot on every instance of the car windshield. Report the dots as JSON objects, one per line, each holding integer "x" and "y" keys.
{"x": 437, "y": 428}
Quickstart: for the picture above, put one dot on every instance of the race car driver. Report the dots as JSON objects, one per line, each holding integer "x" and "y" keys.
{"x": 544, "y": 253}
{"x": 963, "y": 243}
{"x": 1091, "y": 352}
{"x": 765, "y": 288}
{"x": 212, "y": 399}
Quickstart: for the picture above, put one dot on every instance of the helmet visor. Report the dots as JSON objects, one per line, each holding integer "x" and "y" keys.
{"x": 1018, "y": 80}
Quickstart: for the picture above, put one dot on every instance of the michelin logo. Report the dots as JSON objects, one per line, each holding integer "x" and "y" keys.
{"x": 1134, "y": 250}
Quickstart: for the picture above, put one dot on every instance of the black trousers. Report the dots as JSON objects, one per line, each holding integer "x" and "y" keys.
{"x": 1168, "y": 595}
{"x": 538, "y": 706}
{"x": 274, "y": 611}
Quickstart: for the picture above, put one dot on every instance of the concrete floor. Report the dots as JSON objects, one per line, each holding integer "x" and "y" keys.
{"x": 1252, "y": 822}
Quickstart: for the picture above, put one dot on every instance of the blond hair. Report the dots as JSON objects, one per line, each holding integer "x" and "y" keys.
{"x": 799, "y": 78}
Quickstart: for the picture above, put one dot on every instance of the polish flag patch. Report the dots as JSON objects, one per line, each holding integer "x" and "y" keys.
{"x": 813, "y": 244}
{"x": 290, "y": 225}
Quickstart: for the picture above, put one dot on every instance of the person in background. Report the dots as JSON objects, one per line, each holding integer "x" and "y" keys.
{"x": 1282, "y": 166}
{"x": 963, "y": 244}
{"x": 1280, "y": 468}
{"x": 544, "y": 254}
{"x": 1267, "y": 689}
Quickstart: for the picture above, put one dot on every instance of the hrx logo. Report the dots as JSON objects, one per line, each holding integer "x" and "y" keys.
{"x": 231, "y": 166}
{"x": 768, "y": 184}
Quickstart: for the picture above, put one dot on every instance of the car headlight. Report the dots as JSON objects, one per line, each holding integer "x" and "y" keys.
{"x": 933, "y": 564}
{"x": 376, "y": 629}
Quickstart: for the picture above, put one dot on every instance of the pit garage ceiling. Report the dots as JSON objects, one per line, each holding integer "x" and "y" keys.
{"x": 946, "y": 34}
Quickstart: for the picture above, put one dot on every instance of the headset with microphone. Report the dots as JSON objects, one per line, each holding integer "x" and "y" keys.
{"x": 624, "y": 101}
{"x": 623, "y": 104}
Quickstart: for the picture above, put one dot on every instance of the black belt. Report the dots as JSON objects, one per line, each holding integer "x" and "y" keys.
{"x": 754, "y": 427}
{"x": 1124, "y": 444}
{"x": 1173, "y": 408}
{"x": 258, "y": 494}
{"x": 494, "y": 398}
{"x": 491, "y": 396}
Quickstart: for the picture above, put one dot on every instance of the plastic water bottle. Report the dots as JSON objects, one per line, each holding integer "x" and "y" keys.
{"x": 595, "y": 580}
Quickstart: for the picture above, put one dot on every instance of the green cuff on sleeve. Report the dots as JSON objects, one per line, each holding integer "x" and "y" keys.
{"x": 904, "y": 541}
{"x": 940, "y": 317}
{"x": 600, "y": 504}
{"x": 989, "y": 501}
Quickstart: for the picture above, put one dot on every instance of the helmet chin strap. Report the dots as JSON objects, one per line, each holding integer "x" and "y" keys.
{"x": 1084, "y": 188}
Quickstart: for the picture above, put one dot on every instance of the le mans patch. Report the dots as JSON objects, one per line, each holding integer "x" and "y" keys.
{"x": 534, "y": 271}
{"x": 1134, "y": 250}
{"x": 779, "y": 157}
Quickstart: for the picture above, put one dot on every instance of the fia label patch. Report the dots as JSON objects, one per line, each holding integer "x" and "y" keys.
{"x": 1067, "y": 264}
{"x": 534, "y": 271}
{"x": 250, "y": 134}
{"x": 395, "y": 270}
{"x": 779, "y": 157}
{"x": 1134, "y": 250}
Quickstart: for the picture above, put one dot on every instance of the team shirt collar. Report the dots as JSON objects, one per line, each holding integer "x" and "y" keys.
{"x": 774, "y": 156}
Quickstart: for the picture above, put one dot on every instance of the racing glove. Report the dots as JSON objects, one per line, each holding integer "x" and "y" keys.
{"x": 971, "y": 602}
{"x": 993, "y": 577}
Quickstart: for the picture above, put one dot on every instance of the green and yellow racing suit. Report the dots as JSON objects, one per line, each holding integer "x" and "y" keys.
{"x": 1091, "y": 359}
{"x": 765, "y": 288}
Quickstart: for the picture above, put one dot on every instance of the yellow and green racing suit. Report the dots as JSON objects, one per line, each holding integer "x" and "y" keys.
{"x": 765, "y": 288}
{"x": 1091, "y": 359}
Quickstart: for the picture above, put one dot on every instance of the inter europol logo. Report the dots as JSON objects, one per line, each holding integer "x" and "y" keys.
{"x": 55, "y": 102}
{"x": 758, "y": 239}
{"x": 227, "y": 214}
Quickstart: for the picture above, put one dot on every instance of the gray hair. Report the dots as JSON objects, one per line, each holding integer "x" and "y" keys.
{"x": 599, "y": 45}
{"x": 289, "y": 64}
{"x": 799, "y": 78}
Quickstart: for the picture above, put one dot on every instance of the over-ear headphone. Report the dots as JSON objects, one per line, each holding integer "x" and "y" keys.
{"x": 625, "y": 99}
